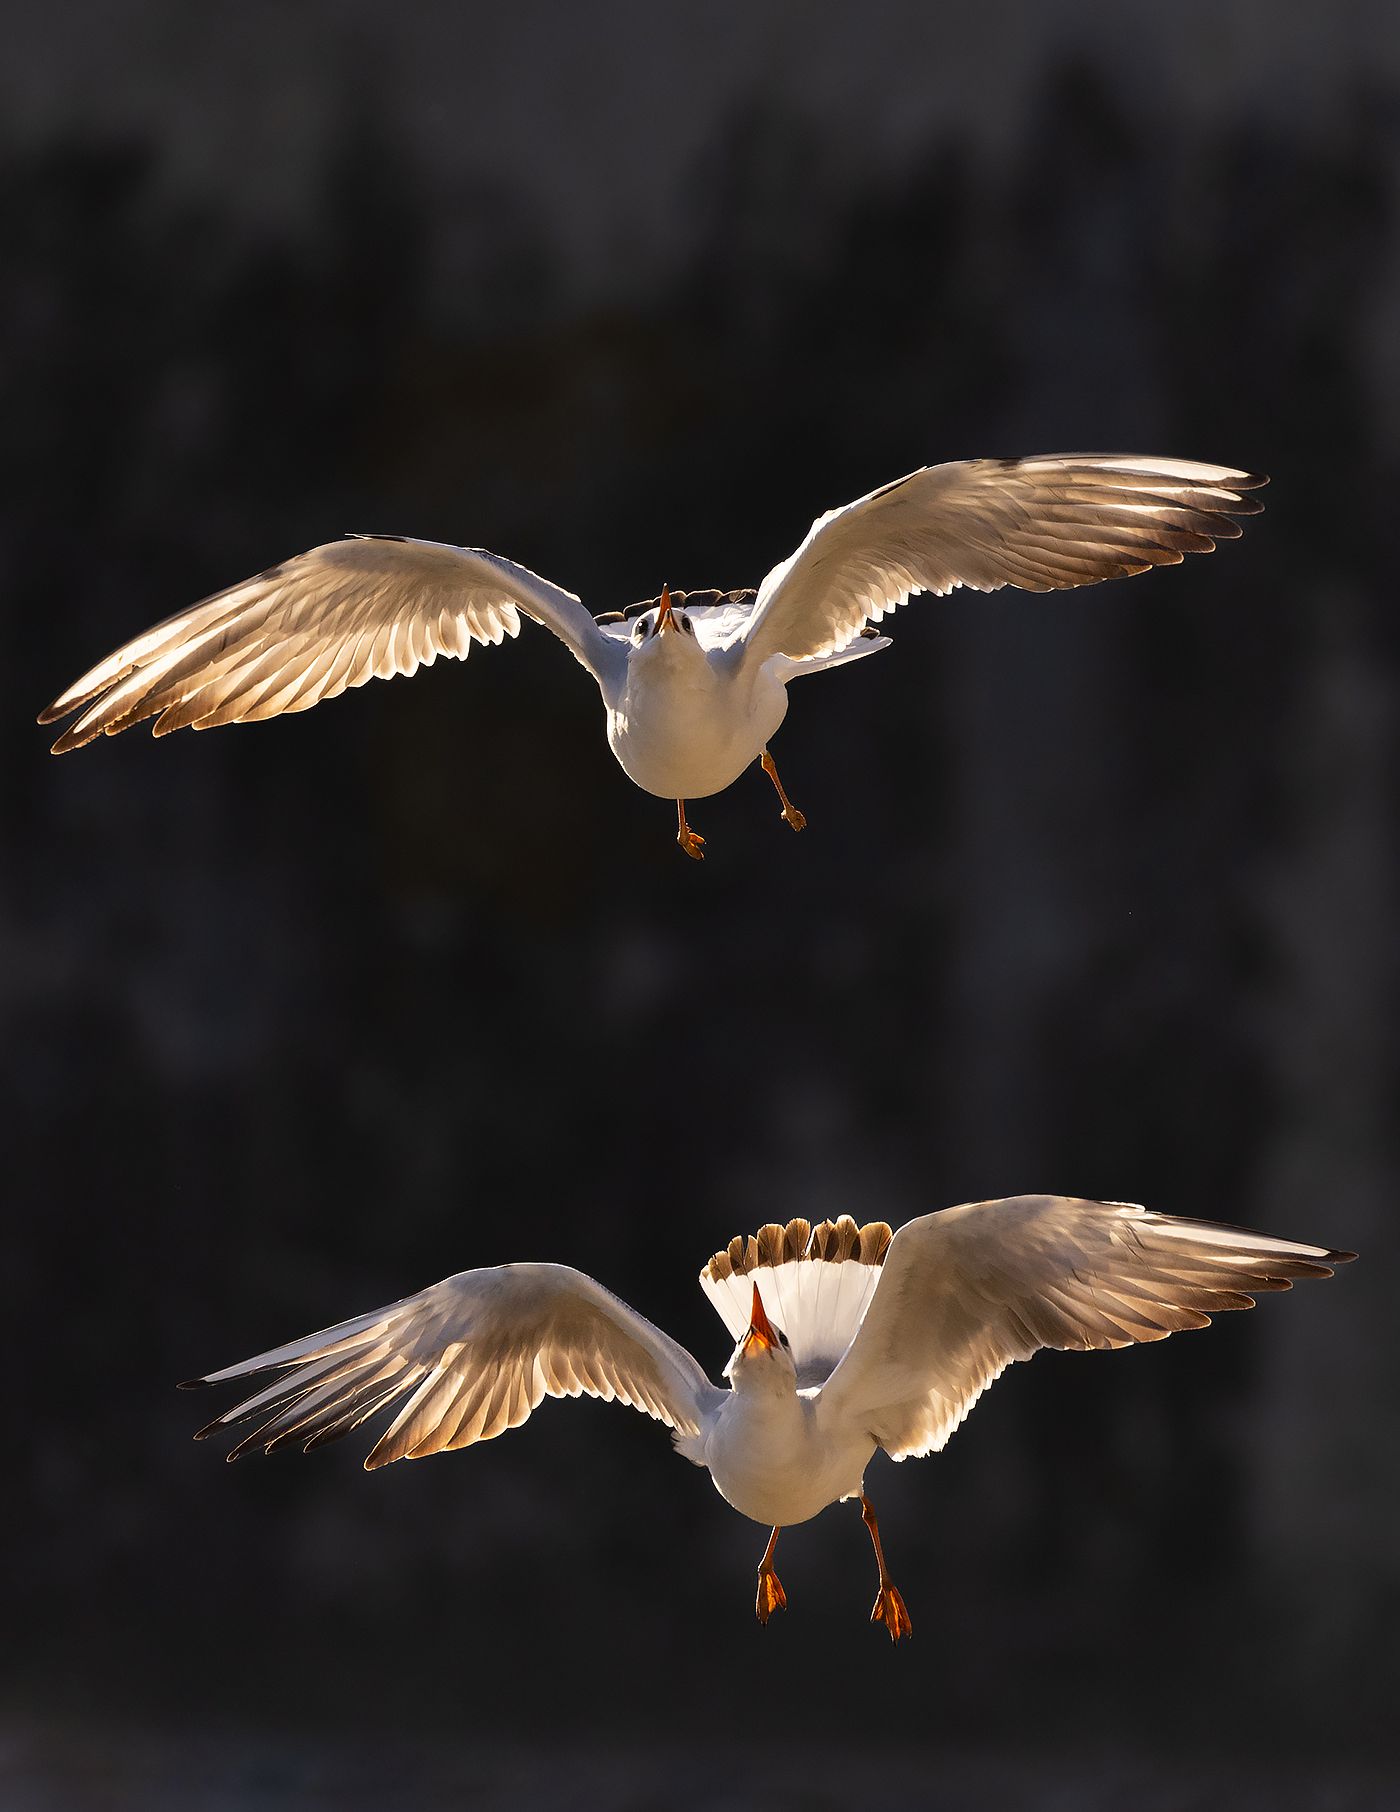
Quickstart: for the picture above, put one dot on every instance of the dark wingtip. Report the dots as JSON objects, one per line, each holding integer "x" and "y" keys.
{"x": 192, "y": 1384}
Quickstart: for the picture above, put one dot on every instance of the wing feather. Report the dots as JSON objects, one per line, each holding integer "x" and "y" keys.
{"x": 462, "y": 1362}
{"x": 965, "y": 1293}
{"x": 1042, "y": 524}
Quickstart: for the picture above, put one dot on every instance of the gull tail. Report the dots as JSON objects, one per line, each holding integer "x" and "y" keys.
{"x": 815, "y": 1282}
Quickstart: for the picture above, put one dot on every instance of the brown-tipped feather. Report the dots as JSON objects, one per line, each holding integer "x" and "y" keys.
{"x": 875, "y": 1239}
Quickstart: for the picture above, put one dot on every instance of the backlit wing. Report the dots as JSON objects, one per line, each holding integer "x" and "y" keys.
{"x": 464, "y": 1361}
{"x": 1042, "y": 524}
{"x": 351, "y": 611}
{"x": 965, "y": 1292}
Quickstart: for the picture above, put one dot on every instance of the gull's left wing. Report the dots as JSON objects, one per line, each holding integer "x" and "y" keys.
{"x": 965, "y": 1292}
{"x": 368, "y": 607}
{"x": 465, "y": 1360}
{"x": 1042, "y": 524}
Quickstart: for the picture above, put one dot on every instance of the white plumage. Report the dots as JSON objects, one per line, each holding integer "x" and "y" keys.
{"x": 848, "y": 1341}
{"x": 687, "y": 711}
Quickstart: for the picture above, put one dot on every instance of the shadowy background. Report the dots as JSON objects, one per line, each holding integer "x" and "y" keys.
{"x": 1099, "y": 893}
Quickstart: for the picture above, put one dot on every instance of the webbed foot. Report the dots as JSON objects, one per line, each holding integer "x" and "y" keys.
{"x": 889, "y": 1610}
{"x": 771, "y": 1596}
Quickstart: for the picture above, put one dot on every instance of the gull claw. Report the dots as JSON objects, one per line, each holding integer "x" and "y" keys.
{"x": 692, "y": 843}
{"x": 771, "y": 1596}
{"x": 791, "y": 815}
{"x": 889, "y": 1610}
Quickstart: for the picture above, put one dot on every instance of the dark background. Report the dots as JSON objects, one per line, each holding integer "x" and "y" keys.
{"x": 1099, "y": 893}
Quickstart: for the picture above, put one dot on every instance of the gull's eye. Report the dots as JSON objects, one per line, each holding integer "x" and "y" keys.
{"x": 687, "y": 625}
{"x": 640, "y": 632}
{"x": 782, "y": 1338}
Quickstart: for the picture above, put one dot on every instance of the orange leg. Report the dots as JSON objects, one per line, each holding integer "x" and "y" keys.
{"x": 771, "y": 1596}
{"x": 689, "y": 840}
{"x": 791, "y": 815}
{"x": 889, "y": 1606}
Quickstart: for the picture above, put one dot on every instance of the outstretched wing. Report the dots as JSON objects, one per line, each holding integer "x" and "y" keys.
{"x": 965, "y": 1292}
{"x": 1042, "y": 524}
{"x": 464, "y": 1361}
{"x": 366, "y": 608}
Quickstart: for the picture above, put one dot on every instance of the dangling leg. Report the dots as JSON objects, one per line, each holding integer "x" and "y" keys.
{"x": 690, "y": 842}
{"x": 889, "y": 1606}
{"x": 790, "y": 811}
{"x": 771, "y": 1596}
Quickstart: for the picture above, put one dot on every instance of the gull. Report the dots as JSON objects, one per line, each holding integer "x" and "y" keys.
{"x": 694, "y": 684}
{"x": 849, "y": 1340}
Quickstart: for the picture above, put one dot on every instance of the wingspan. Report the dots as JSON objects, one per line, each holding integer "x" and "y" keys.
{"x": 965, "y": 1292}
{"x": 464, "y": 1361}
{"x": 365, "y": 608}
{"x": 1041, "y": 524}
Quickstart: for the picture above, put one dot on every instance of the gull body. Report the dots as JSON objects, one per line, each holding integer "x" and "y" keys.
{"x": 694, "y": 686}
{"x": 688, "y": 719}
{"x": 769, "y": 1451}
{"x": 849, "y": 1340}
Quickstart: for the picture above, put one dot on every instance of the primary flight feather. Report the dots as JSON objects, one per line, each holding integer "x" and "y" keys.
{"x": 849, "y": 1341}
{"x": 694, "y": 684}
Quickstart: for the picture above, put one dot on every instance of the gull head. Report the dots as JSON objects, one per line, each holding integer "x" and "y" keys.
{"x": 665, "y": 634}
{"x": 763, "y": 1359}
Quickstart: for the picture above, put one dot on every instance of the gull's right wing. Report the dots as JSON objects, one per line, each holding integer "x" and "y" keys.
{"x": 365, "y": 608}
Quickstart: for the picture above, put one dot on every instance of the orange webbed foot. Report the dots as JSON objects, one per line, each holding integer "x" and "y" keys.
{"x": 692, "y": 843}
{"x": 771, "y": 1596}
{"x": 791, "y": 815}
{"x": 889, "y": 1610}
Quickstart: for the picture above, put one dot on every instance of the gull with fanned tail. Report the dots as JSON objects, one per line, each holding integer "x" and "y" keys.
{"x": 849, "y": 1341}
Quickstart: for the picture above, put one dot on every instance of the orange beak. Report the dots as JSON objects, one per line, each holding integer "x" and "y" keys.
{"x": 664, "y": 618}
{"x": 760, "y": 1327}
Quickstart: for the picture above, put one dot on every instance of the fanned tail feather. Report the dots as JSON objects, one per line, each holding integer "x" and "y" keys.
{"x": 815, "y": 1282}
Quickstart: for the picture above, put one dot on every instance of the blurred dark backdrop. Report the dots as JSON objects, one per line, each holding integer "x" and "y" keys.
{"x": 1099, "y": 893}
